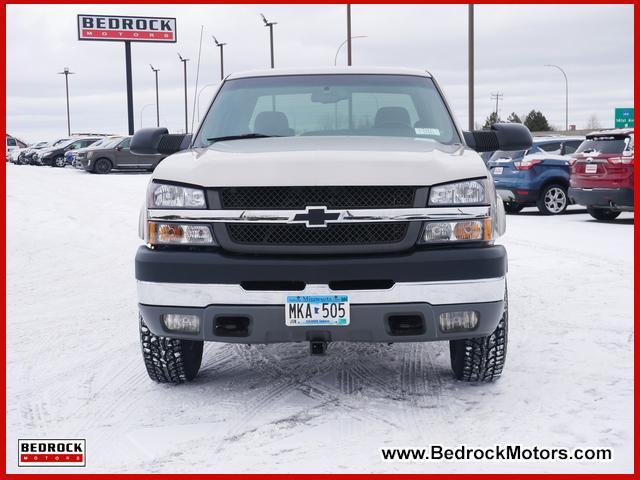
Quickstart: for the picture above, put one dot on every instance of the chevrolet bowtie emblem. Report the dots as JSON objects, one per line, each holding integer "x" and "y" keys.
{"x": 316, "y": 217}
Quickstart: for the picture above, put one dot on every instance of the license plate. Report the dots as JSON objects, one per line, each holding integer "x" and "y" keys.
{"x": 315, "y": 310}
{"x": 591, "y": 168}
{"x": 497, "y": 171}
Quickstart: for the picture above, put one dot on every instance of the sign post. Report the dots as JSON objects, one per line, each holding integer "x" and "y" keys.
{"x": 624, "y": 118}
{"x": 115, "y": 28}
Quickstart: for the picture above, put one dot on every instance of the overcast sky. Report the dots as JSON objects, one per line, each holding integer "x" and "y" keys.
{"x": 593, "y": 43}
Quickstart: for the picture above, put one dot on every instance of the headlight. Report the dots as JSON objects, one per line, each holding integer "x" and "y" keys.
{"x": 179, "y": 234}
{"x": 461, "y": 193}
{"x": 174, "y": 196}
{"x": 457, "y": 231}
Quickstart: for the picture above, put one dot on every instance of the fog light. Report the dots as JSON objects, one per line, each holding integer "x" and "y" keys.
{"x": 458, "y": 321}
{"x": 178, "y": 322}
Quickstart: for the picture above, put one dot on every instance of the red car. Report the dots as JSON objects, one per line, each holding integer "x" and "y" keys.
{"x": 602, "y": 173}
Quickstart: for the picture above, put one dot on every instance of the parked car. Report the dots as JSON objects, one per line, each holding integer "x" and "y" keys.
{"x": 602, "y": 173}
{"x": 24, "y": 154}
{"x": 538, "y": 176}
{"x": 115, "y": 154}
{"x": 71, "y": 156}
{"x": 297, "y": 224}
{"x": 12, "y": 144}
{"x": 54, "y": 155}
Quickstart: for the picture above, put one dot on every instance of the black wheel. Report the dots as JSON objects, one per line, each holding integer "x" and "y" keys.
{"x": 553, "y": 200}
{"x": 58, "y": 162}
{"x": 513, "y": 207}
{"x": 170, "y": 360}
{"x": 603, "y": 213}
{"x": 102, "y": 166}
{"x": 481, "y": 359}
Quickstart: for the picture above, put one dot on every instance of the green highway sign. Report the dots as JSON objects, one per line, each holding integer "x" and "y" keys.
{"x": 624, "y": 118}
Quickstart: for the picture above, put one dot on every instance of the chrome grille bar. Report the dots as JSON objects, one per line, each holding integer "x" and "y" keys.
{"x": 345, "y": 215}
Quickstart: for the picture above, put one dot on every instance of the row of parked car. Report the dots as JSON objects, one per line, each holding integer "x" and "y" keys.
{"x": 95, "y": 154}
{"x": 595, "y": 171}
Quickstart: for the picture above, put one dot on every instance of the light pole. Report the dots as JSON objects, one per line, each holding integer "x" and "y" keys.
{"x": 186, "y": 111}
{"x": 270, "y": 25}
{"x": 471, "y": 68}
{"x": 335, "y": 59}
{"x": 221, "y": 47}
{"x": 142, "y": 111}
{"x": 66, "y": 74}
{"x": 566, "y": 96}
{"x": 349, "y": 34}
{"x": 156, "y": 70}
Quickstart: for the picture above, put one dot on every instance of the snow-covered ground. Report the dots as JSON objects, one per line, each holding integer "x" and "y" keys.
{"x": 75, "y": 371}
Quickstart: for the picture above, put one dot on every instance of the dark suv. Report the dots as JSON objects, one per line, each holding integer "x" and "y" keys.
{"x": 115, "y": 155}
{"x": 54, "y": 155}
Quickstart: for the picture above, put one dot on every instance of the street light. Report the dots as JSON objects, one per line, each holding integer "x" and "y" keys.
{"x": 156, "y": 70}
{"x": 566, "y": 96}
{"x": 186, "y": 112}
{"x": 221, "y": 47}
{"x": 142, "y": 111}
{"x": 270, "y": 25}
{"x": 66, "y": 74}
{"x": 335, "y": 59}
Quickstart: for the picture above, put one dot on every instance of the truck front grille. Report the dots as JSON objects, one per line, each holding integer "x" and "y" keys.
{"x": 333, "y": 234}
{"x": 328, "y": 196}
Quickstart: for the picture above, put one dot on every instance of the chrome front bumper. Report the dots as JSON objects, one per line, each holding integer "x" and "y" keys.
{"x": 434, "y": 293}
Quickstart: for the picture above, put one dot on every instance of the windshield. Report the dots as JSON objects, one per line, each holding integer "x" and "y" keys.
{"x": 326, "y": 105}
{"x": 108, "y": 142}
{"x": 602, "y": 145}
{"x": 62, "y": 142}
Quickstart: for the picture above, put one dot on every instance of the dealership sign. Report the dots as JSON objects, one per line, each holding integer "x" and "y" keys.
{"x": 133, "y": 29}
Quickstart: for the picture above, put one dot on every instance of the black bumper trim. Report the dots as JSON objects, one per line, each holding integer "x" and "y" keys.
{"x": 435, "y": 265}
{"x": 602, "y": 197}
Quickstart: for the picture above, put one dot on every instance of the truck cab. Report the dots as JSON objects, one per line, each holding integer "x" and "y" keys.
{"x": 318, "y": 206}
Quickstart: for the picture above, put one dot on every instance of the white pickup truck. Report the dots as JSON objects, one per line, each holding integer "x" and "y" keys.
{"x": 319, "y": 206}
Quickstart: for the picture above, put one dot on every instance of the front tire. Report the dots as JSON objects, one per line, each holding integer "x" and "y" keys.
{"x": 603, "y": 214}
{"x": 170, "y": 360}
{"x": 481, "y": 359}
{"x": 102, "y": 166}
{"x": 58, "y": 162}
{"x": 553, "y": 200}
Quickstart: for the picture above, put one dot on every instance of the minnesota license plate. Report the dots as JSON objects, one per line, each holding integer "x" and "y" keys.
{"x": 591, "y": 168}
{"x": 497, "y": 171}
{"x": 317, "y": 310}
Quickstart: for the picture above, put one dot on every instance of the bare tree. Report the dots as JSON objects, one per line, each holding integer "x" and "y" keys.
{"x": 593, "y": 123}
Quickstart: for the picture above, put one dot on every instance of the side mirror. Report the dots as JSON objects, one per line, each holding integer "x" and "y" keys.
{"x": 118, "y": 148}
{"x": 151, "y": 141}
{"x": 502, "y": 136}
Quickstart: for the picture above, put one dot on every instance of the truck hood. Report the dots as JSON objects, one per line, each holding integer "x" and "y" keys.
{"x": 310, "y": 161}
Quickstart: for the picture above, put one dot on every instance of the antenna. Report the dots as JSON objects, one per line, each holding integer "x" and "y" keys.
{"x": 193, "y": 113}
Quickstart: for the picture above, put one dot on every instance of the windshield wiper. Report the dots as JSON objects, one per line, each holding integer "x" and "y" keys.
{"x": 240, "y": 137}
